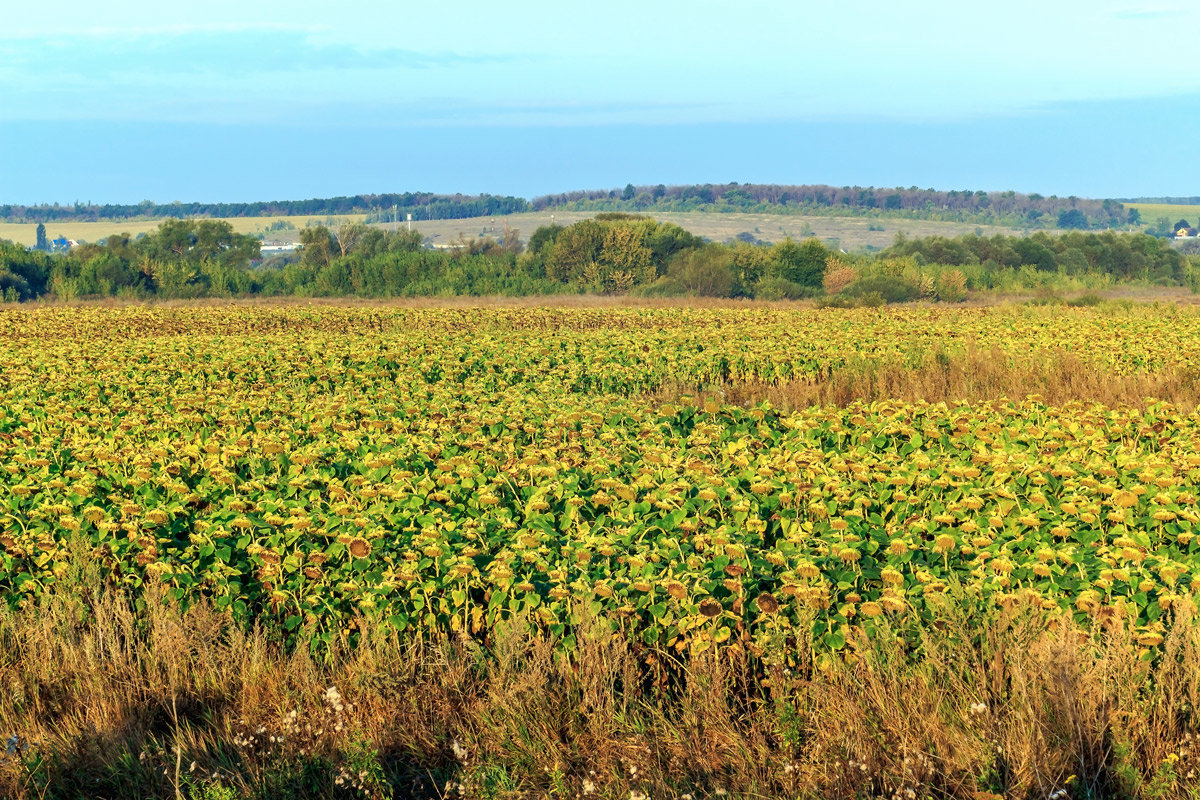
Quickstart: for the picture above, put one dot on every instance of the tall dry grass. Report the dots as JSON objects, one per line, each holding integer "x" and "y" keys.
{"x": 973, "y": 375}
{"x": 104, "y": 699}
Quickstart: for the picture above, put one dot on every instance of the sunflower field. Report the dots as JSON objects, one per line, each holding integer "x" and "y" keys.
{"x": 320, "y": 469}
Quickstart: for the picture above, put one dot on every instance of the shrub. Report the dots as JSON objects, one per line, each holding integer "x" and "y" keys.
{"x": 802, "y": 263}
{"x": 775, "y": 288}
{"x": 1049, "y": 299}
{"x": 951, "y": 286}
{"x": 892, "y": 288}
{"x": 838, "y": 275}
{"x": 663, "y": 287}
{"x": 707, "y": 271}
{"x": 865, "y": 300}
{"x": 1089, "y": 299}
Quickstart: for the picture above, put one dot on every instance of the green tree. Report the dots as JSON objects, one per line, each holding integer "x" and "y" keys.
{"x": 24, "y": 273}
{"x": 750, "y": 263}
{"x": 200, "y": 240}
{"x": 802, "y": 263}
{"x": 575, "y": 249}
{"x": 667, "y": 239}
{"x": 1072, "y": 218}
{"x": 350, "y": 235}
{"x": 707, "y": 271}
{"x": 1035, "y": 253}
{"x": 542, "y": 238}
{"x": 43, "y": 243}
{"x": 1160, "y": 228}
{"x": 317, "y": 246}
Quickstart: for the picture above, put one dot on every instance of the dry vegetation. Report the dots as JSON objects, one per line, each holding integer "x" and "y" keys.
{"x": 852, "y": 233}
{"x": 973, "y": 376}
{"x": 102, "y": 700}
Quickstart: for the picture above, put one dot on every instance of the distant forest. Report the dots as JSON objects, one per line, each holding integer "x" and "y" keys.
{"x": 1164, "y": 201}
{"x": 1002, "y": 208}
{"x": 422, "y": 205}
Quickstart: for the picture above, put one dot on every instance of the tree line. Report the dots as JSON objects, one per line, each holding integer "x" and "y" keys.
{"x": 613, "y": 253}
{"x": 1123, "y": 256}
{"x": 422, "y": 205}
{"x": 1006, "y": 208}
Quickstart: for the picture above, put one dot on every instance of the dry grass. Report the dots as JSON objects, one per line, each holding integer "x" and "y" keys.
{"x": 972, "y": 375}
{"x": 108, "y": 701}
{"x": 851, "y": 232}
{"x": 557, "y": 301}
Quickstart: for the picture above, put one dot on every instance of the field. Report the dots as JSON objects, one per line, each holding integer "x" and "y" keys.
{"x": 850, "y": 233}
{"x": 1154, "y": 211}
{"x": 726, "y": 541}
{"x": 26, "y": 233}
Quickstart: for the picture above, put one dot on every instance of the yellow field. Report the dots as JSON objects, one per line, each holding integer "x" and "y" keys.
{"x": 246, "y": 548}
{"x": 26, "y": 233}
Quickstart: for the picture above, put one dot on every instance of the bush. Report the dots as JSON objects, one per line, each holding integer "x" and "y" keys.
{"x": 707, "y": 271}
{"x": 1089, "y": 299}
{"x": 802, "y": 263}
{"x": 774, "y": 288}
{"x": 951, "y": 286}
{"x": 892, "y": 288}
{"x": 865, "y": 300}
{"x": 838, "y": 275}
{"x": 663, "y": 287}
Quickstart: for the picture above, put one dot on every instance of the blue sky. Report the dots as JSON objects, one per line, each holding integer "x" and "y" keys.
{"x": 120, "y": 101}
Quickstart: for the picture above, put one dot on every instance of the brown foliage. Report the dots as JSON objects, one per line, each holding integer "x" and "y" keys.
{"x": 1016, "y": 705}
{"x": 838, "y": 275}
{"x": 1056, "y": 378}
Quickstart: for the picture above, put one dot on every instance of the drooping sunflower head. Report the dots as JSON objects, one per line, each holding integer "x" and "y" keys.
{"x": 358, "y": 547}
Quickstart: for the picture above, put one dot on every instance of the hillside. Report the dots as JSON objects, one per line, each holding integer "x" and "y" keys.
{"x": 996, "y": 208}
{"x": 849, "y": 232}
{"x": 1008, "y": 208}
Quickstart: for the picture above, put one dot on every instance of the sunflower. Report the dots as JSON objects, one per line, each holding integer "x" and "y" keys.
{"x": 359, "y": 547}
{"x": 767, "y": 603}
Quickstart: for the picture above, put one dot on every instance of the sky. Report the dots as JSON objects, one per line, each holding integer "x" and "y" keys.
{"x": 230, "y": 100}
